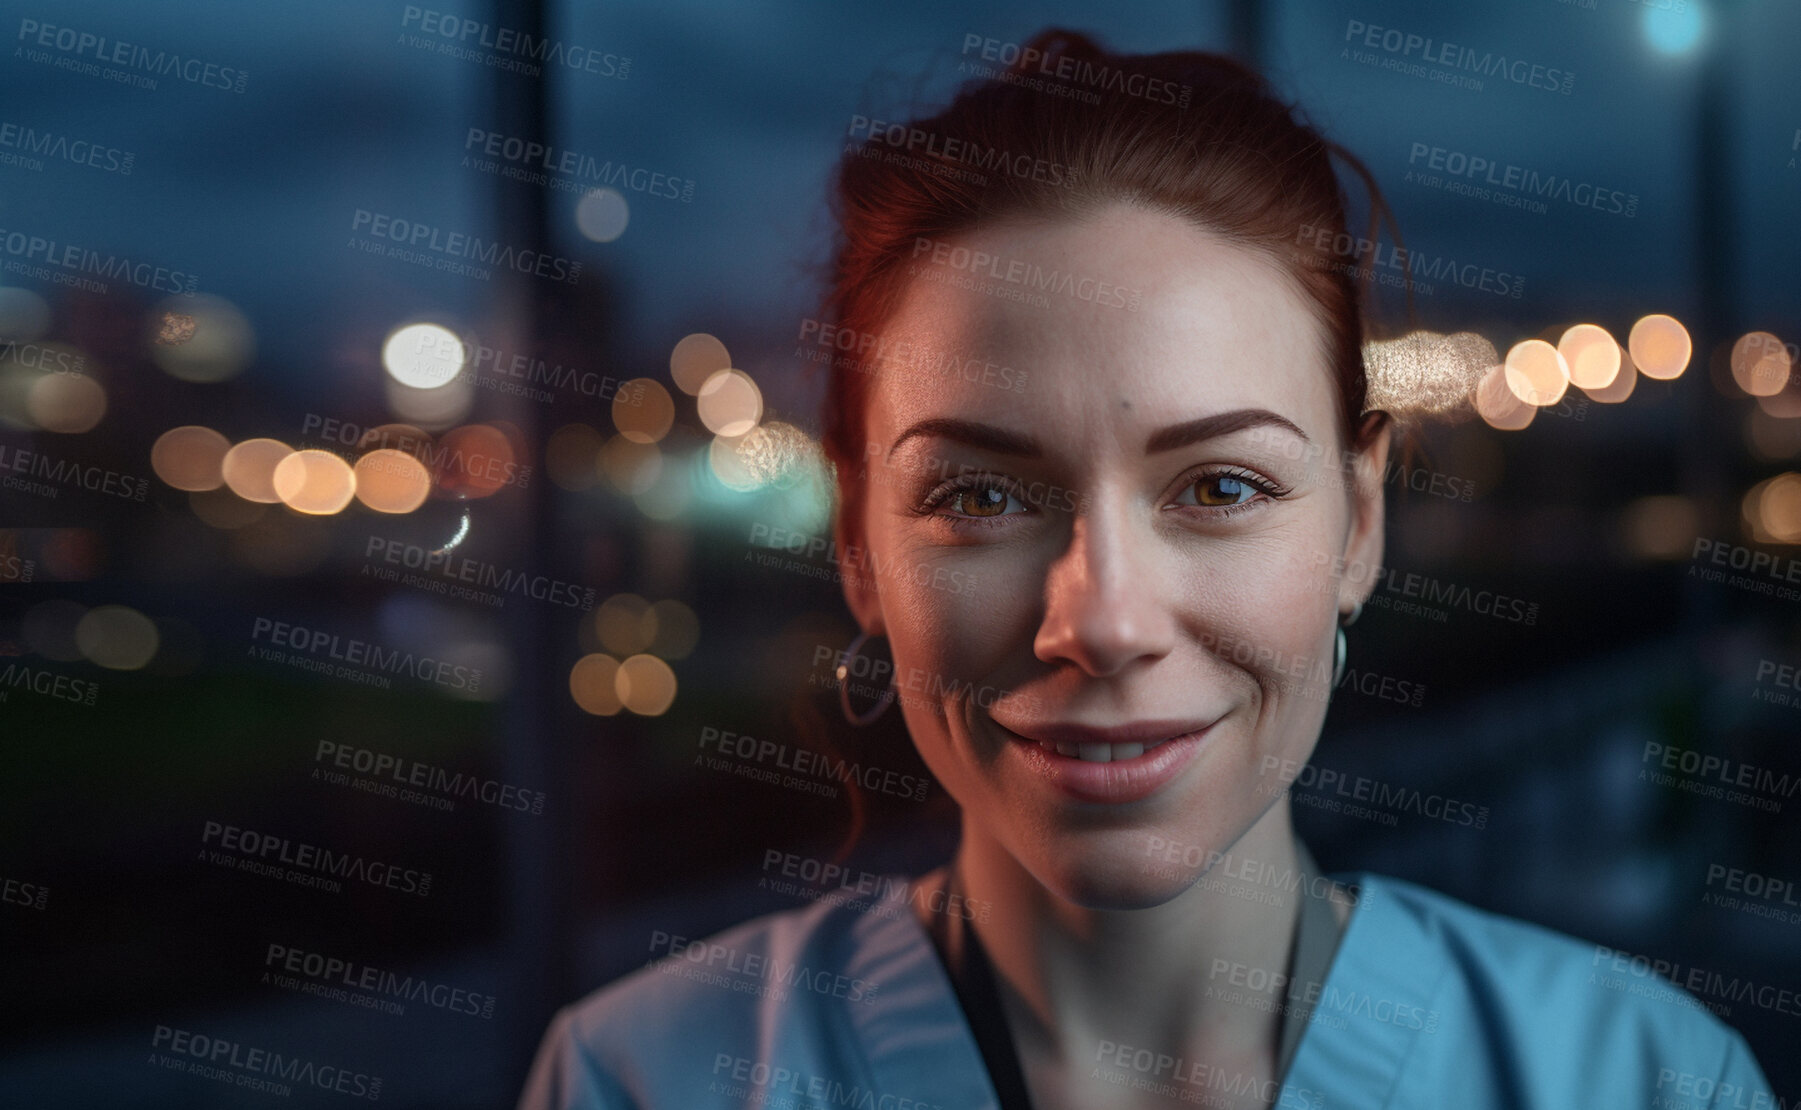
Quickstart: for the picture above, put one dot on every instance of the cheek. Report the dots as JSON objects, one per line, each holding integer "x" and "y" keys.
{"x": 957, "y": 612}
{"x": 1264, "y": 607}
{"x": 956, "y": 619}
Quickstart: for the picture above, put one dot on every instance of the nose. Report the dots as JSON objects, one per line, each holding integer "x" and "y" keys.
{"x": 1103, "y": 609}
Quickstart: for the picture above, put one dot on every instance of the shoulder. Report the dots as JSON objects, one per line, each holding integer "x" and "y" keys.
{"x": 1546, "y": 1011}
{"x": 730, "y": 973}
{"x": 781, "y": 996}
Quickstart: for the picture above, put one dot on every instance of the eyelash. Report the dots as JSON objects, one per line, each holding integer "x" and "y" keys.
{"x": 945, "y": 491}
{"x": 1271, "y": 490}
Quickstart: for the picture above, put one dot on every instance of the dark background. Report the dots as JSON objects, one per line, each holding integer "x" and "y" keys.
{"x": 1592, "y": 513}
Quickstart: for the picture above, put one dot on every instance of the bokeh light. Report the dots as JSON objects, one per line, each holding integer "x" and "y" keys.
{"x": 250, "y": 466}
{"x": 1760, "y": 364}
{"x": 391, "y": 481}
{"x": 1784, "y": 405}
{"x": 677, "y": 629}
{"x": 190, "y": 457}
{"x": 592, "y": 684}
{"x": 729, "y": 466}
{"x": 116, "y": 637}
{"x": 423, "y": 356}
{"x": 1619, "y": 388}
{"x": 24, "y": 315}
{"x": 202, "y": 338}
{"x": 317, "y": 483}
{"x": 625, "y": 624}
{"x": 1772, "y": 509}
{"x": 432, "y": 409}
{"x": 1496, "y": 404}
{"x": 1660, "y": 347}
{"x": 645, "y": 685}
{"x": 1536, "y": 372}
{"x": 1673, "y": 29}
{"x": 730, "y": 403}
{"x": 1592, "y": 355}
{"x": 475, "y": 461}
{"x": 696, "y": 358}
{"x": 1425, "y": 372}
{"x": 780, "y": 455}
{"x": 67, "y": 403}
{"x": 643, "y": 410}
{"x": 601, "y": 215}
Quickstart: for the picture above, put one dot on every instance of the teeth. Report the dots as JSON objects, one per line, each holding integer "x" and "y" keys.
{"x": 1096, "y": 753}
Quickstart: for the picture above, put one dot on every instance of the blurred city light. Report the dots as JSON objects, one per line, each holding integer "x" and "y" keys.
{"x": 730, "y": 403}
{"x": 1592, "y": 355}
{"x": 1660, "y": 347}
{"x": 314, "y": 482}
{"x": 201, "y": 338}
{"x": 592, "y": 684}
{"x": 423, "y": 356}
{"x": 696, "y": 358}
{"x": 1536, "y": 372}
{"x": 191, "y": 457}
{"x": 602, "y": 214}
{"x": 249, "y": 468}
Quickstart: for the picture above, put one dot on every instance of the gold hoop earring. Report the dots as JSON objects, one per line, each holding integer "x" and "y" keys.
{"x": 868, "y": 716}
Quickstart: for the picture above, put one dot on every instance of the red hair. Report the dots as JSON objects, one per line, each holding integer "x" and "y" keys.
{"x": 1193, "y": 134}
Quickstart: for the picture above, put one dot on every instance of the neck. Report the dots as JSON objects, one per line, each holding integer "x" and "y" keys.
{"x": 1201, "y": 973}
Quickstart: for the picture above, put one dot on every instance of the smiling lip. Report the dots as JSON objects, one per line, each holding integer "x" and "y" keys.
{"x": 1163, "y": 749}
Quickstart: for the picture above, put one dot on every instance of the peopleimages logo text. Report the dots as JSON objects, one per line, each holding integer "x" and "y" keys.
{"x": 361, "y": 653}
{"x": 253, "y": 1063}
{"x": 460, "y": 245}
{"x": 530, "y": 155}
{"x": 1404, "y": 44}
{"x": 79, "y": 46}
{"x": 455, "y": 32}
{"x": 73, "y": 259}
{"x": 1519, "y": 179}
{"x": 30, "y": 141}
{"x": 260, "y": 846}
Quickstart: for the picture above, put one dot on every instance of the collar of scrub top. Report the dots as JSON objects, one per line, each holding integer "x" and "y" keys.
{"x": 917, "y": 1038}
{"x": 1317, "y": 939}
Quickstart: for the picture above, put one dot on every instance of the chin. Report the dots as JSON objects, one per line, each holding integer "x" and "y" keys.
{"x": 1119, "y": 879}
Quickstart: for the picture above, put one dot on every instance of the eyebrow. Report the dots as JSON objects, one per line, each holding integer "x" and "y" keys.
{"x": 999, "y": 440}
{"x": 1219, "y": 424}
{"x": 1005, "y": 442}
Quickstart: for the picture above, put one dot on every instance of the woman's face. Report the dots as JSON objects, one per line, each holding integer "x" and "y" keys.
{"x": 1111, "y": 528}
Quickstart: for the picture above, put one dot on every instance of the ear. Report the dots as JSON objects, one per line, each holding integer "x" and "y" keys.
{"x": 856, "y": 568}
{"x": 1363, "y": 541}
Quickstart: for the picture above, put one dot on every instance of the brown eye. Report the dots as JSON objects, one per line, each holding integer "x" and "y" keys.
{"x": 1221, "y": 490}
{"x": 980, "y": 502}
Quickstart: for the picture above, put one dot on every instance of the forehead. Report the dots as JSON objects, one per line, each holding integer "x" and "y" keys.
{"x": 1119, "y": 321}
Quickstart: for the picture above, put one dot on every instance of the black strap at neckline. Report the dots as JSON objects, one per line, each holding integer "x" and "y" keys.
{"x": 972, "y": 977}
{"x": 1317, "y": 934}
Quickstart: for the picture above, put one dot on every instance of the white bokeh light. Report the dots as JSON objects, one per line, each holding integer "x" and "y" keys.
{"x": 423, "y": 356}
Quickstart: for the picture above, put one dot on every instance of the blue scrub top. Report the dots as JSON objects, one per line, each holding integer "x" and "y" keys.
{"x": 1429, "y": 1003}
